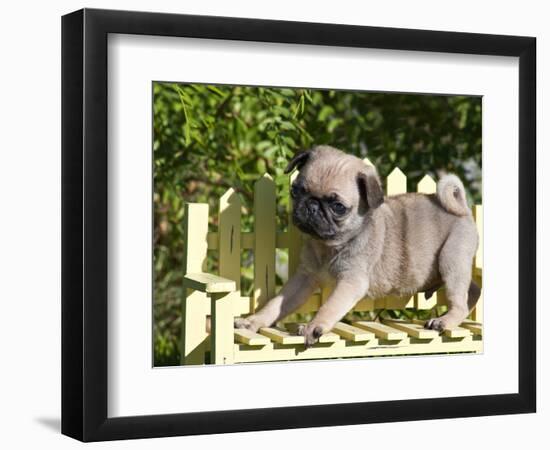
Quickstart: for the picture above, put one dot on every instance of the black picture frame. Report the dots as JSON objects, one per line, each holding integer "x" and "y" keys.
{"x": 84, "y": 224}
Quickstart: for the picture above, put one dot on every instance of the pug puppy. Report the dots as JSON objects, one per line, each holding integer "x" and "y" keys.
{"x": 363, "y": 244}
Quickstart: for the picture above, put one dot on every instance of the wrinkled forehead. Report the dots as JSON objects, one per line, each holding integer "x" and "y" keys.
{"x": 325, "y": 175}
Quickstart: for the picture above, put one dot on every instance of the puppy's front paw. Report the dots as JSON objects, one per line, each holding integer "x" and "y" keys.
{"x": 246, "y": 322}
{"x": 311, "y": 333}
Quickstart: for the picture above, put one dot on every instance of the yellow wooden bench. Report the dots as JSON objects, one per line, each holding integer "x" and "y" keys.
{"x": 216, "y": 299}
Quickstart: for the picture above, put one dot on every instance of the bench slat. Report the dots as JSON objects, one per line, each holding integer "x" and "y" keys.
{"x": 381, "y": 331}
{"x": 352, "y": 333}
{"x": 474, "y": 327}
{"x": 248, "y": 337}
{"x": 457, "y": 332}
{"x": 413, "y": 329}
{"x": 281, "y": 337}
{"x": 329, "y": 337}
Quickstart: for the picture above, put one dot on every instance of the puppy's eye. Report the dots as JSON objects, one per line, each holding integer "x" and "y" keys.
{"x": 296, "y": 190}
{"x": 338, "y": 208}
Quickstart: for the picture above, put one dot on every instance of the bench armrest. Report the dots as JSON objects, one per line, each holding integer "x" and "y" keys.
{"x": 206, "y": 282}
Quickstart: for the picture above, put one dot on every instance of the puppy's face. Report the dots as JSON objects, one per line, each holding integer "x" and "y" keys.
{"x": 332, "y": 194}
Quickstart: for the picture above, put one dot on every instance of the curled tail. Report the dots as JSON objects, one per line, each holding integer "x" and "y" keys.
{"x": 451, "y": 194}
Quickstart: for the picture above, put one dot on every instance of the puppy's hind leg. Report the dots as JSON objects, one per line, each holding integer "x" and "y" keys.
{"x": 474, "y": 293}
{"x": 455, "y": 267}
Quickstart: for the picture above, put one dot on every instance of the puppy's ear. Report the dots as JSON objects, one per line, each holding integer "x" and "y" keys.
{"x": 298, "y": 161}
{"x": 370, "y": 188}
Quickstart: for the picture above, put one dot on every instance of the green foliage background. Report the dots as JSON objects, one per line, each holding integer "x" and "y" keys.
{"x": 209, "y": 138}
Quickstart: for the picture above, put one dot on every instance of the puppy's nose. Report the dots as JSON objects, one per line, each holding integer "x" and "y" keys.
{"x": 313, "y": 205}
